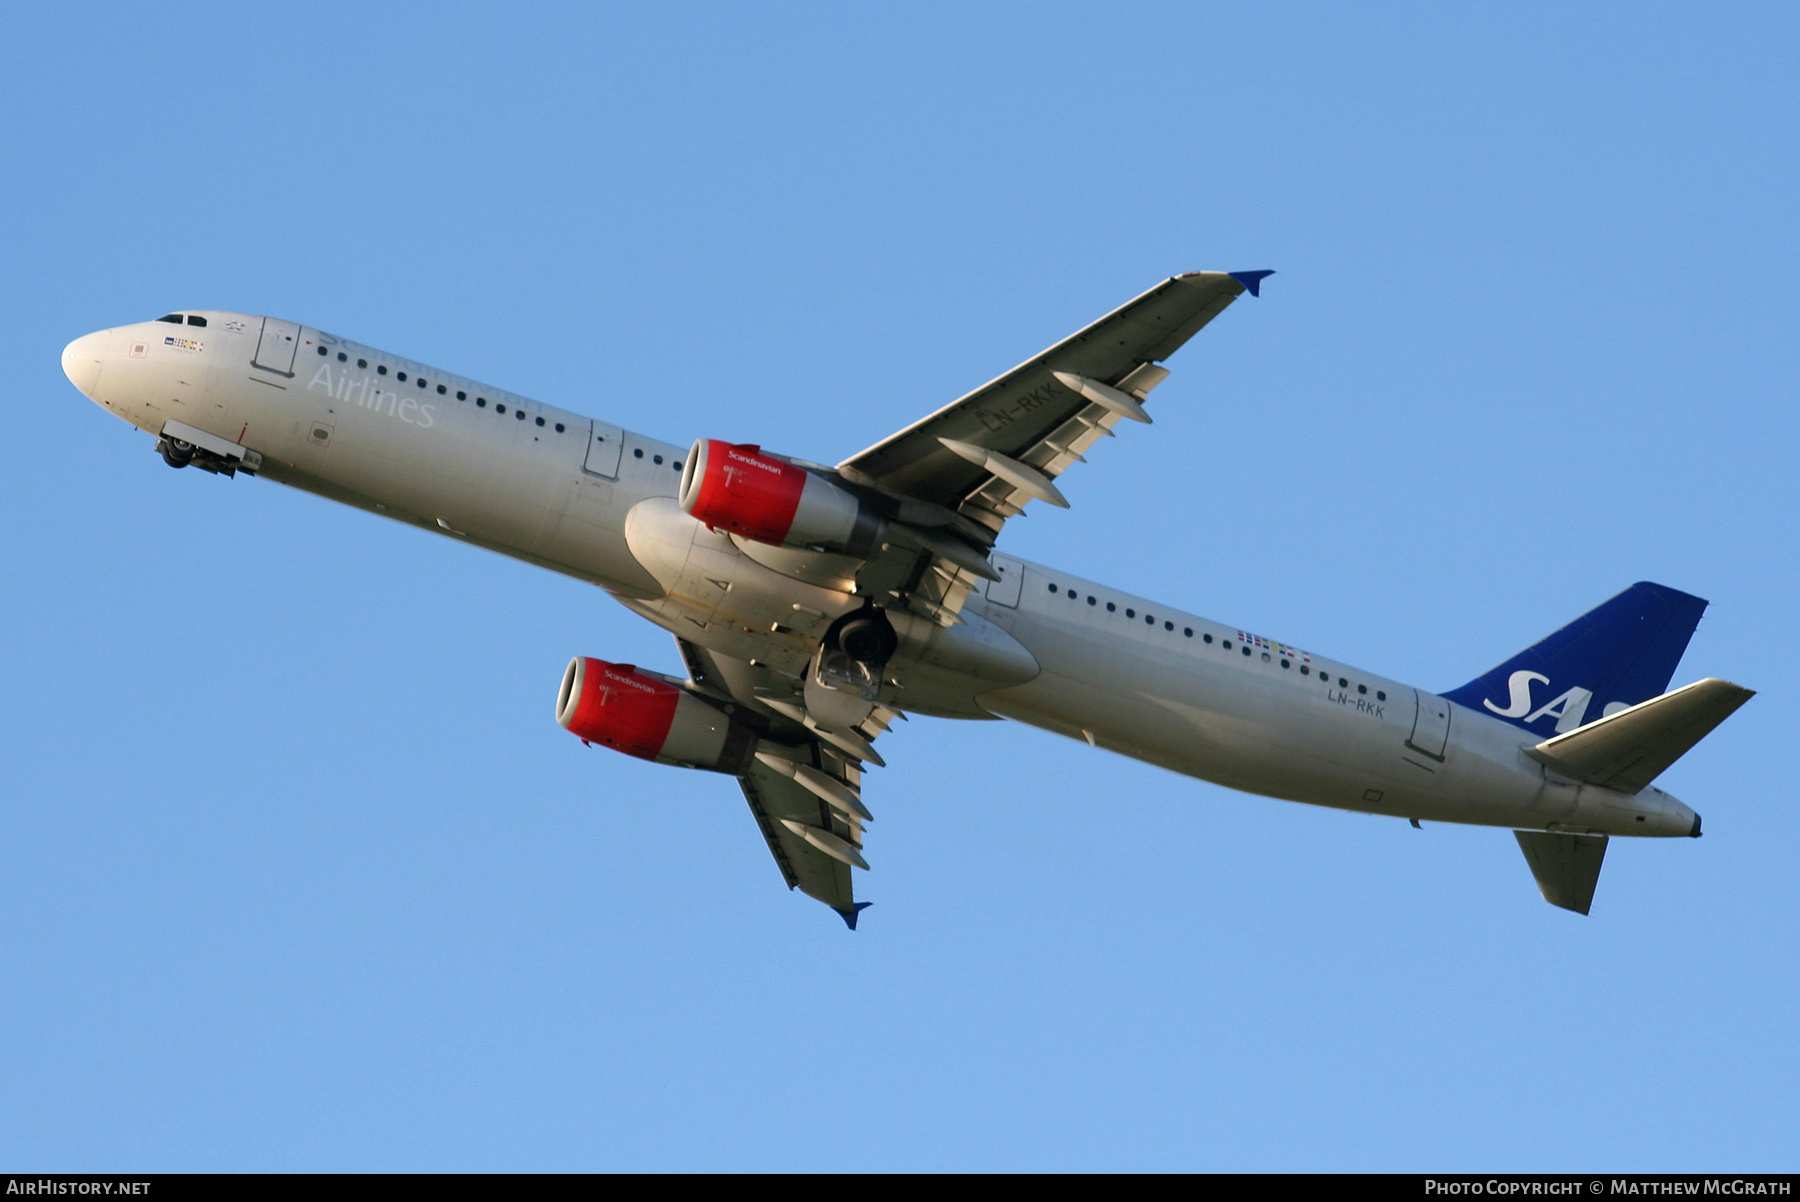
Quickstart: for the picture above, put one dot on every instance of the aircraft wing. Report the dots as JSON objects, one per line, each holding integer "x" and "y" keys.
{"x": 989, "y": 453}
{"x": 776, "y": 801}
{"x": 805, "y": 786}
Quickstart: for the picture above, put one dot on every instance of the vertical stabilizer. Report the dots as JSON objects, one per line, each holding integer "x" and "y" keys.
{"x": 1567, "y": 867}
{"x": 1617, "y": 654}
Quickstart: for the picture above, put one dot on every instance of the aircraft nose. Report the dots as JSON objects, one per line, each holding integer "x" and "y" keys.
{"x": 83, "y": 358}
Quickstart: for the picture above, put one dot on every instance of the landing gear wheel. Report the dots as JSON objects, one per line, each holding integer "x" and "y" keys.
{"x": 868, "y": 638}
{"x": 176, "y": 453}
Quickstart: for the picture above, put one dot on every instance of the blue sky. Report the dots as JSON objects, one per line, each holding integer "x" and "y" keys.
{"x": 299, "y": 873}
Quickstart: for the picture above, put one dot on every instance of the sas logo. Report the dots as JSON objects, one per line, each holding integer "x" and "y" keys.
{"x": 1569, "y": 709}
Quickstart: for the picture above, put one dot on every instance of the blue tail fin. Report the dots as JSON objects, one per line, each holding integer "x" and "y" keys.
{"x": 1619, "y": 653}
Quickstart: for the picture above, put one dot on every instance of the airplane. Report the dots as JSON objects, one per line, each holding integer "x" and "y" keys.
{"x": 814, "y": 606}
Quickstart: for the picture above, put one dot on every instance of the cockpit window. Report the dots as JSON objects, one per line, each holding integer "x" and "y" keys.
{"x": 171, "y": 318}
{"x": 196, "y": 321}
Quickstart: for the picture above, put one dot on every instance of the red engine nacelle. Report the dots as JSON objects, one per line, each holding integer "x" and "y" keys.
{"x": 741, "y": 490}
{"x": 641, "y": 715}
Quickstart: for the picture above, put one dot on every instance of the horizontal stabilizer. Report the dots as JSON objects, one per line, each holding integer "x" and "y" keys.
{"x": 1567, "y": 867}
{"x": 1628, "y": 749}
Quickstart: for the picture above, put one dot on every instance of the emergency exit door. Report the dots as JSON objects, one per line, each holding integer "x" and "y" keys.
{"x": 1431, "y": 724}
{"x": 606, "y": 442}
{"x": 1005, "y": 591}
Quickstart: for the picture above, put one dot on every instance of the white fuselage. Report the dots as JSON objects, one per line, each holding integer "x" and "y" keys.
{"x": 1043, "y": 646}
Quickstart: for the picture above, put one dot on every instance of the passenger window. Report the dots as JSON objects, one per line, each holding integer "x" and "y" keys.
{"x": 1188, "y": 631}
{"x": 442, "y": 390}
{"x": 519, "y": 413}
{"x": 171, "y": 318}
{"x": 343, "y": 358}
{"x": 1265, "y": 657}
{"x": 1149, "y": 620}
{"x": 1090, "y": 600}
{"x": 1225, "y": 644}
{"x": 1110, "y": 607}
{"x": 481, "y": 402}
{"x": 362, "y": 363}
{"x": 400, "y": 376}
{"x": 656, "y": 459}
{"x": 422, "y": 384}
{"x": 1130, "y": 613}
{"x": 1362, "y": 688}
{"x": 1171, "y": 626}
{"x": 540, "y": 421}
{"x": 500, "y": 409}
{"x": 461, "y": 395}
{"x": 1342, "y": 683}
{"x": 1245, "y": 650}
{"x": 638, "y": 453}
{"x": 1285, "y": 664}
{"x": 1380, "y": 696}
{"x": 196, "y": 321}
{"x": 1305, "y": 671}
{"x": 559, "y": 427}
{"x": 381, "y": 369}
{"x": 323, "y": 352}
{"x": 677, "y": 465}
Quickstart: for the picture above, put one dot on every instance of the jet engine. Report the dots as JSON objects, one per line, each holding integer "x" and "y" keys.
{"x": 737, "y": 488}
{"x": 649, "y": 717}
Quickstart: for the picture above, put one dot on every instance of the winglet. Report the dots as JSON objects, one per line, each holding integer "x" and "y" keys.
{"x": 1251, "y": 279}
{"x": 849, "y": 916}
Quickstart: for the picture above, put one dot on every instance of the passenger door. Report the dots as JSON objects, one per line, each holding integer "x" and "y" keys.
{"x": 275, "y": 349}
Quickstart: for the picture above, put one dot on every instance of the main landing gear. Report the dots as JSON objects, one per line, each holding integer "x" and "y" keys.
{"x": 866, "y": 636}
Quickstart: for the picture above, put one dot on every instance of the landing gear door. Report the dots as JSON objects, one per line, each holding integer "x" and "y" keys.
{"x": 275, "y": 349}
{"x": 1005, "y": 591}
{"x": 1431, "y": 725}
{"x": 605, "y": 444}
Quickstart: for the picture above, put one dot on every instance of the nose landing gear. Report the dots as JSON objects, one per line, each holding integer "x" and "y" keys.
{"x": 181, "y": 445}
{"x": 175, "y": 453}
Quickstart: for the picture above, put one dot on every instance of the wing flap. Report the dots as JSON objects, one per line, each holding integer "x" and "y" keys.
{"x": 773, "y": 797}
{"x": 1629, "y": 749}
